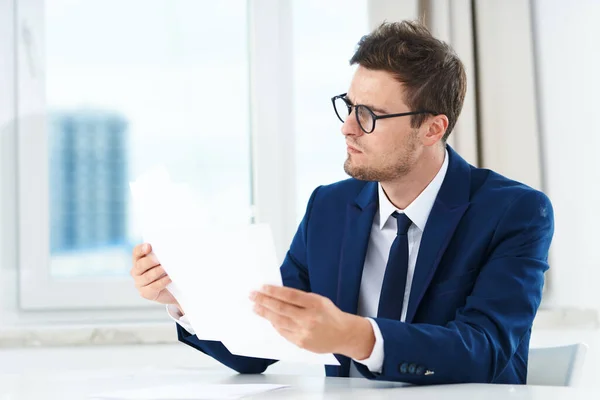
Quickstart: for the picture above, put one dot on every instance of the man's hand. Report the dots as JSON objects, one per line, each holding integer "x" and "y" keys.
{"x": 149, "y": 276}
{"x": 313, "y": 322}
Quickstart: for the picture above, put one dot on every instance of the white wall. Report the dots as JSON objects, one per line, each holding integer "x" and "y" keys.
{"x": 567, "y": 41}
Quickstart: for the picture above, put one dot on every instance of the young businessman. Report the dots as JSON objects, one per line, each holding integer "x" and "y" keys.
{"x": 420, "y": 268}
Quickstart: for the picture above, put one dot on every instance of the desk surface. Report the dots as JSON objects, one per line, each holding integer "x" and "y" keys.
{"x": 81, "y": 384}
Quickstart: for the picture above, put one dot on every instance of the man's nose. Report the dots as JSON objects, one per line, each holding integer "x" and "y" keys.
{"x": 350, "y": 127}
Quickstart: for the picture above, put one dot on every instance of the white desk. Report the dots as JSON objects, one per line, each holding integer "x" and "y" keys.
{"x": 69, "y": 385}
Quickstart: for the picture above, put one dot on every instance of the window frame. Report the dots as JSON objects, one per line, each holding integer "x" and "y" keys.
{"x": 271, "y": 157}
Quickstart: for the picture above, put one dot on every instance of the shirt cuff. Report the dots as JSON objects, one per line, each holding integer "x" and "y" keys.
{"x": 375, "y": 361}
{"x": 181, "y": 319}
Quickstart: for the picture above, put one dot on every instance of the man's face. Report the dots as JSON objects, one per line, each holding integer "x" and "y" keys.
{"x": 392, "y": 149}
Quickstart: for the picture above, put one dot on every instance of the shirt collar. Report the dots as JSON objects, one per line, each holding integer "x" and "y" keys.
{"x": 418, "y": 211}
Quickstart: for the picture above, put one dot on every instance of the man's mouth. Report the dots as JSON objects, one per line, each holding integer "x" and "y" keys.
{"x": 352, "y": 149}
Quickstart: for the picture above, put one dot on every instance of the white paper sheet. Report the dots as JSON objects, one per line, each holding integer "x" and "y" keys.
{"x": 190, "y": 392}
{"x": 214, "y": 267}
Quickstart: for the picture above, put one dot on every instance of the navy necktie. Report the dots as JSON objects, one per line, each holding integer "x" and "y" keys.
{"x": 394, "y": 280}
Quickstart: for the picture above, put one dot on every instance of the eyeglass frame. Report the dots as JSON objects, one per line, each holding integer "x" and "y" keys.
{"x": 374, "y": 116}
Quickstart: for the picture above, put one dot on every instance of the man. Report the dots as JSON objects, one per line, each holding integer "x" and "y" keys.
{"x": 421, "y": 268}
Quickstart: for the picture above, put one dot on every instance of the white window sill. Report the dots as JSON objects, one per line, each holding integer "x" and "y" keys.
{"x": 85, "y": 335}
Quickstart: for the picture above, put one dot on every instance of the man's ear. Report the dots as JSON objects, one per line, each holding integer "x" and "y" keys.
{"x": 436, "y": 128}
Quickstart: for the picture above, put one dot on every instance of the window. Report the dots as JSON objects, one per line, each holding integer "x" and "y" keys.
{"x": 324, "y": 42}
{"x": 107, "y": 90}
{"x": 232, "y": 96}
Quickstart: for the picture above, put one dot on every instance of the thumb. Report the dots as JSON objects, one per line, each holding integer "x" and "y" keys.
{"x": 144, "y": 249}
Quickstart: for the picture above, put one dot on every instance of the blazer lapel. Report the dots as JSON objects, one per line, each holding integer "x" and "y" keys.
{"x": 450, "y": 205}
{"x": 359, "y": 219}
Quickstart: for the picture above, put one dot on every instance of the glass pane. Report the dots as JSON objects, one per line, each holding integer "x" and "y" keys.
{"x": 129, "y": 85}
{"x": 325, "y": 37}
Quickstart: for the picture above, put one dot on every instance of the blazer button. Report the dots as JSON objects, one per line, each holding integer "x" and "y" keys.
{"x": 420, "y": 370}
{"x": 403, "y": 368}
{"x": 412, "y": 368}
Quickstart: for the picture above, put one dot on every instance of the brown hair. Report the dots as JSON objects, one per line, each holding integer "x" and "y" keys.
{"x": 432, "y": 73}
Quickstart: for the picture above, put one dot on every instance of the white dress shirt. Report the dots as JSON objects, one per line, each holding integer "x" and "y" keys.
{"x": 383, "y": 233}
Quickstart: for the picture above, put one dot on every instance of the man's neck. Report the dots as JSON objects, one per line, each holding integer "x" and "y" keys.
{"x": 404, "y": 190}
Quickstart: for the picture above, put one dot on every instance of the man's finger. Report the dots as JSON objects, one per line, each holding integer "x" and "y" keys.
{"x": 277, "y": 306}
{"x": 287, "y": 334}
{"x": 155, "y": 288}
{"x": 151, "y": 276}
{"x": 289, "y": 295}
{"x": 293, "y": 337}
{"x": 145, "y": 264}
{"x": 282, "y": 330}
{"x": 275, "y": 319}
{"x": 141, "y": 250}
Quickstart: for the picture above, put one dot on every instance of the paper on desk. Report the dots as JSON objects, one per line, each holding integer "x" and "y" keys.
{"x": 214, "y": 268}
{"x": 191, "y": 392}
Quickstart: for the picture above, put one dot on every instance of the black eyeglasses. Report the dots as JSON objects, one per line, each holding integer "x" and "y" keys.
{"x": 364, "y": 115}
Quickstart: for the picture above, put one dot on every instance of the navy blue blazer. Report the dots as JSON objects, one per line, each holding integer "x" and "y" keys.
{"x": 476, "y": 288}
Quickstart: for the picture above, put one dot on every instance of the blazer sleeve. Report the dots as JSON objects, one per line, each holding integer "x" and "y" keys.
{"x": 294, "y": 273}
{"x": 478, "y": 344}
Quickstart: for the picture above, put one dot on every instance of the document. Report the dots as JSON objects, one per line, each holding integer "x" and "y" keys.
{"x": 213, "y": 268}
{"x": 190, "y": 392}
